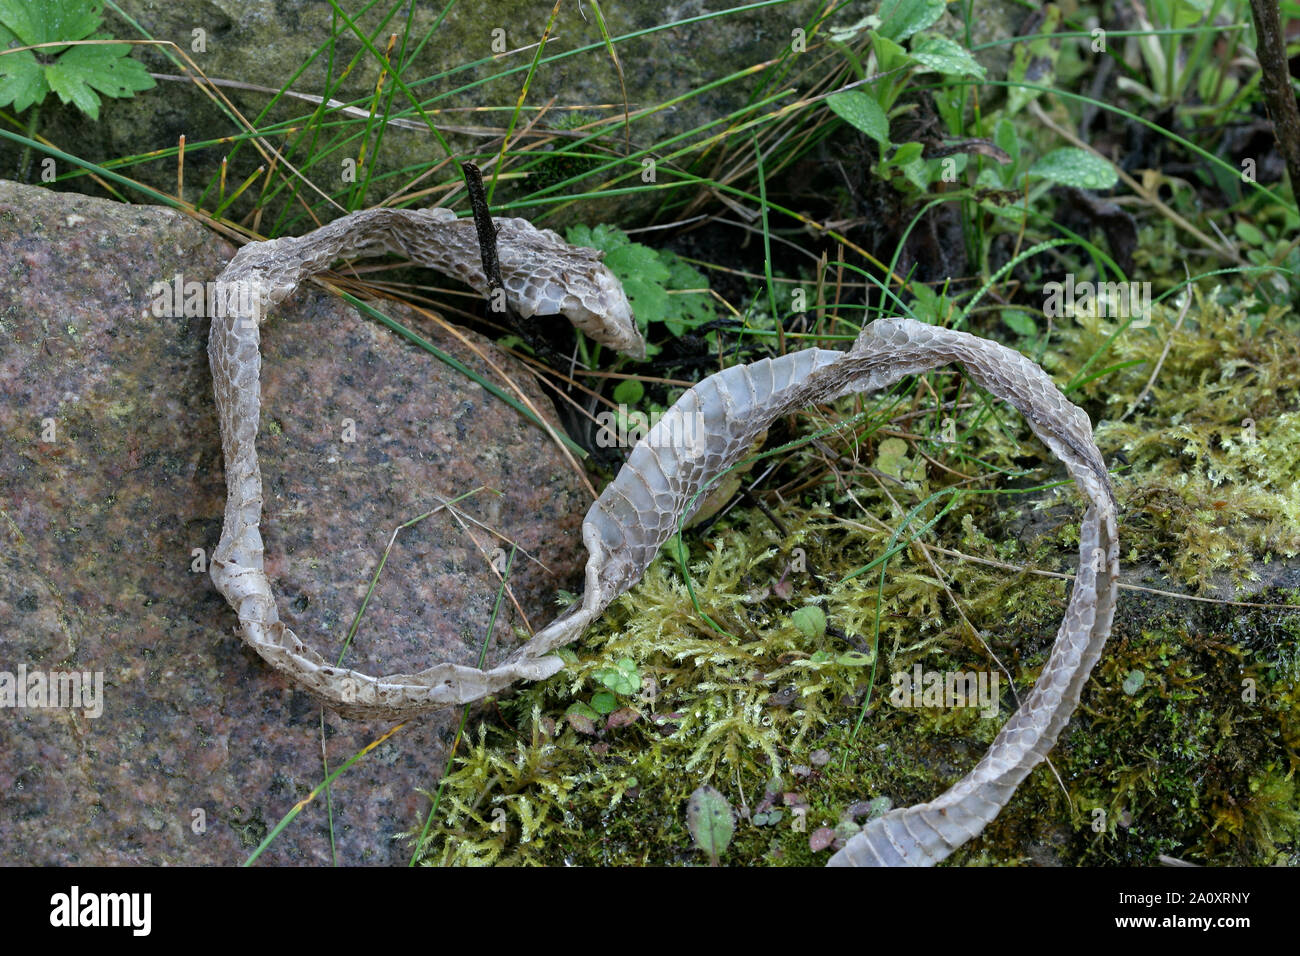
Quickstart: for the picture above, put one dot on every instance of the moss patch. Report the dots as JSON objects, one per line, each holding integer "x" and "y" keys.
{"x": 1186, "y": 740}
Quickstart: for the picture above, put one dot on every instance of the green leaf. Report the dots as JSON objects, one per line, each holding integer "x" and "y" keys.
{"x": 1071, "y": 166}
{"x": 647, "y": 278}
{"x": 1034, "y": 61}
{"x": 1133, "y": 682}
{"x": 604, "y": 703}
{"x": 854, "y": 659}
{"x": 629, "y": 392}
{"x": 622, "y": 679}
{"x": 582, "y": 718}
{"x": 889, "y": 55}
{"x": 907, "y": 153}
{"x": 78, "y": 71}
{"x": 22, "y": 79}
{"x": 648, "y": 299}
{"x": 1249, "y": 233}
{"x": 899, "y": 19}
{"x": 633, "y": 259}
{"x": 862, "y": 113}
{"x": 810, "y": 619}
{"x": 908, "y": 159}
{"x": 46, "y": 21}
{"x": 604, "y": 237}
{"x": 1008, "y": 141}
{"x": 108, "y": 68}
{"x": 1020, "y": 323}
{"x": 942, "y": 55}
{"x": 891, "y": 458}
{"x": 710, "y": 822}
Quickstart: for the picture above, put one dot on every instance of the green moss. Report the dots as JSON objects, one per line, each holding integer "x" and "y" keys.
{"x": 1197, "y": 762}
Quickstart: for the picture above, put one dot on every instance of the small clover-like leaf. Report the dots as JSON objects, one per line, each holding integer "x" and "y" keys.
{"x": 1133, "y": 682}
{"x": 629, "y": 392}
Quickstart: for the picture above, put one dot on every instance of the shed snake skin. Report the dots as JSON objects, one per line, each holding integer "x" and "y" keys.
{"x": 656, "y": 487}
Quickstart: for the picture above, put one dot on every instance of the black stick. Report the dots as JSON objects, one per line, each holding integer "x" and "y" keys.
{"x": 487, "y": 244}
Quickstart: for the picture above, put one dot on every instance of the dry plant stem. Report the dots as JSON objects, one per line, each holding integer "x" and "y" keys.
{"x": 1275, "y": 78}
{"x": 708, "y": 430}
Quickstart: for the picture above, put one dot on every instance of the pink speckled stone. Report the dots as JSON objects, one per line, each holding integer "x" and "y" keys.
{"x": 98, "y": 526}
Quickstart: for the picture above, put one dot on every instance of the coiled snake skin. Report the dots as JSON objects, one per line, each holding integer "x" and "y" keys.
{"x": 640, "y": 509}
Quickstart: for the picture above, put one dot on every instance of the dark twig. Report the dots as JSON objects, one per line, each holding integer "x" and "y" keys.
{"x": 1276, "y": 81}
{"x": 498, "y": 301}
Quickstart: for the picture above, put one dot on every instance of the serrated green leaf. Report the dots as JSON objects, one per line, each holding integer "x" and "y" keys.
{"x": 634, "y": 259}
{"x": 108, "y": 68}
{"x": 1071, "y": 166}
{"x": 862, "y": 113}
{"x": 603, "y": 237}
{"x": 648, "y": 299}
{"x": 22, "y": 79}
{"x": 942, "y": 55}
{"x": 47, "y": 21}
{"x": 647, "y": 277}
{"x": 710, "y": 822}
{"x": 78, "y": 71}
{"x": 899, "y": 19}
{"x": 580, "y": 235}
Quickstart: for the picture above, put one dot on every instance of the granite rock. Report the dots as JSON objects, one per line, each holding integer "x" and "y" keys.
{"x": 111, "y": 496}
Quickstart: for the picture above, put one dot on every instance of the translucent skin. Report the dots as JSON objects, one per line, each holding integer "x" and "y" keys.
{"x": 656, "y": 488}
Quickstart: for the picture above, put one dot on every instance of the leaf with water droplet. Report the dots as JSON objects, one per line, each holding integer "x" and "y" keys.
{"x": 1071, "y": 166}
{"x": 710, "y": 822}
{"x": 862, "y": 113}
